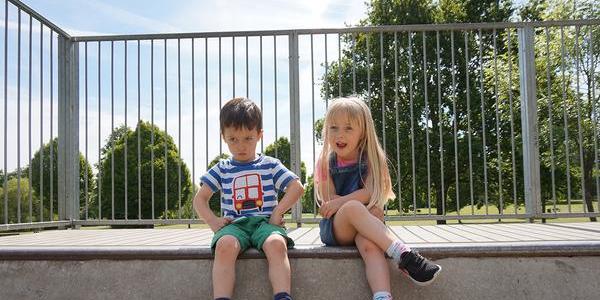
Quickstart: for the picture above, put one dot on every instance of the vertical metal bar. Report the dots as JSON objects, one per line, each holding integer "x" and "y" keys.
{"x": 139, "y": 130}
{"x": 275, "y": 86}
{"x": 500, "y": 187}
{"x": 531, "y": 163}
{"x": 512, "y": 126}
{"x": 550, "y": 121}
{"x": 425, "y": 82}
{"x": 326, "y": 83}
{"x": 206, "y": 99}
{"x": 564, "y": 105}
{"x": 220, "y": 97}
{"x": 312, "y": 92}
{"x": 247, "y": 77}
{"x": 86, "y": 132}
{"x": 455, "y": 123}
{"x": 595, "y": 118}
{"x": 294, "y": 78}
{"x": 112, "y": 129}
{"x": 194, "y": 125}
{"x": 152, "y": 126}
{"x": 179, "y": 127}
{"x": 440, "y": 115}
{"x": 6, "y": 113}
{"x": 68, "y": 134}
{"x": 340, "y": 66}
{"x": 41, "y": 122}
{"x": 412, "y": 121}
{"x": 233, "y": 64}
{"x": 262, "y": 145}
{"x": 99, "y": 133}
{"x": 354, "y": 64}
{"x": 368, "y": 71}
{"x": 484, "y": 144}
{"x": 18, "y": 117}
{"x": 29, "y": 126}
{"x": 579, "y": 131}
{"x": 468, "y": 94}
{"x": 126, "y": 135}
{"x": 50, "y": 142}
{"x": 396, "y": 100}
{"x": 166, "y": 173}
{"x": 381, "y": 63}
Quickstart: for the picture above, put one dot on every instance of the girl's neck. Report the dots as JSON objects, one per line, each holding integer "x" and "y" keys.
{"x": 347, "y": 159}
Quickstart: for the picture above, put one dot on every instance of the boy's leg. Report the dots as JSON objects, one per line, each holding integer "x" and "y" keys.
{"x": 353, "y": 218}
{"x": 274, "y": 242}
{"x": 275, "y": 249}
{"x": 376, "y": 265}
{"x": 223, "y": 273}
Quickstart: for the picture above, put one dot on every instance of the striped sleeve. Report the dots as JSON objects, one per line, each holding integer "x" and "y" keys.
{"x": 212, "y": 178}
{"x": 282, "y": 176}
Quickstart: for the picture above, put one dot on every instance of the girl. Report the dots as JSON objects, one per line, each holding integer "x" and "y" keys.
{"x": 353, "y": 184}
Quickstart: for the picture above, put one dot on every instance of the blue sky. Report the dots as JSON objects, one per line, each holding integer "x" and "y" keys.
{"x": 131, "y": 17}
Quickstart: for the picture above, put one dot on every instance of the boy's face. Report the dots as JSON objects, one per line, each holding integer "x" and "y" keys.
{"x": 242, "y": 142}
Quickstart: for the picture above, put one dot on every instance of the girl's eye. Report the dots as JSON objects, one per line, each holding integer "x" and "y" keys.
{"x": 348, "y": 128}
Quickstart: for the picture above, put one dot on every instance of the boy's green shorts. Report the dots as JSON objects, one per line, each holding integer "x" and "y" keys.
{"x": 251, "y": 232}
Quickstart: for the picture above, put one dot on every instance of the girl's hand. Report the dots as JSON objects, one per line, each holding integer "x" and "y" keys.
{"x": 329, "y": 208}
{"x": 217, "y": 223}
{"x": 377, "y": 212}
{"x": 277, "y": 220}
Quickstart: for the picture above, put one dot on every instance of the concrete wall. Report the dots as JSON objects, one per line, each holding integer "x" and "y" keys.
{"x": 462, "y": 278}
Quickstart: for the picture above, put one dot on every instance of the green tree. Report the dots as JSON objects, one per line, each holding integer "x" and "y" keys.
{"x": 48, "y": 189}
{"x": 127, "y": 187}
{"x": 410, "y": 117}
{"x": 13, "y": 194}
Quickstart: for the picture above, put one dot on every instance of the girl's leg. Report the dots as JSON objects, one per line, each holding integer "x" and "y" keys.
{"x": 275, "y": 249}
{"x": 223, "y": 273}
{"x": 353, "y": 218}
{"x": 376, "y": 266}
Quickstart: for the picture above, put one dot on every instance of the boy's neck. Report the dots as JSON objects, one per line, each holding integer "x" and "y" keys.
{"x": 251, "y": 159}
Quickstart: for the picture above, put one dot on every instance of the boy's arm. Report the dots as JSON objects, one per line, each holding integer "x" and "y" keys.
{"x": 203, "y": 210}
{"x": 293, "y": 193}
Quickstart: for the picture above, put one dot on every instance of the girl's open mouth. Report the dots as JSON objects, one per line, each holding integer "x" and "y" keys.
{"x": 340, "y": 145}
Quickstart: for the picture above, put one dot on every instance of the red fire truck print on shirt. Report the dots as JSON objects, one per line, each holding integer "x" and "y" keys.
{"x": 247, "y": 193}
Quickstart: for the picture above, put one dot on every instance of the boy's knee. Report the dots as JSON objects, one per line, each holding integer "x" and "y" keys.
{"x": 227, "y": 245}
{"x": 275, "y": 244}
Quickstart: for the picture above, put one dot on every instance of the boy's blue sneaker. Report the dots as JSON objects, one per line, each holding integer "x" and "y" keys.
{"x": 418, "y": 268}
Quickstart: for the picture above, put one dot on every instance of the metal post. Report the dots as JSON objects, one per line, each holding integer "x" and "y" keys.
{"x": 295, "y": 118}
{"x": 68, "y": 129}
{"x": 531, "y": 159}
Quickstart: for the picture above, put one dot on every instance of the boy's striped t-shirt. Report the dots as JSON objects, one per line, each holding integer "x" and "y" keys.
{"x": 248, "y": 189}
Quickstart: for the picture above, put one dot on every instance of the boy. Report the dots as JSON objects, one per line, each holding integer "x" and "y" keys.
{"x": 252, "y": 217}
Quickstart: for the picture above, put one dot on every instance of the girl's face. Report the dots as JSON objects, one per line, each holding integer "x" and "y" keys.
{"x": 344, "y": 137}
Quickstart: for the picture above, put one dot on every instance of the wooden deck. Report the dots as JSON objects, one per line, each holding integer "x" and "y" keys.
{"x": 437, "y": 240}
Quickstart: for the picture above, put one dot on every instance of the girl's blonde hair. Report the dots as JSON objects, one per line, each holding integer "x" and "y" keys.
{"x": 378, "y": 179}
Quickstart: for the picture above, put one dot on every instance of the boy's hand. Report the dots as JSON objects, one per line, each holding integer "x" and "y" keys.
{"x": 377, "y": 212}
{"x": 277, "y": 219}
{"x": 330, "y": 207}
{"x": 218, "y": 223}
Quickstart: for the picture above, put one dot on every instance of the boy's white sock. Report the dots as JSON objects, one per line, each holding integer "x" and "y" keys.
{"x": 396, "y": 249}
{"x": 382, "y": 296}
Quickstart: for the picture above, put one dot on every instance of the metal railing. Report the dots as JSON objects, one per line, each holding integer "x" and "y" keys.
{"x": 445, "y": 100}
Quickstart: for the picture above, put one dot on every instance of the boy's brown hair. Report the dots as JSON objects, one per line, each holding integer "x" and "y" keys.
{"x": 240, "y": 112}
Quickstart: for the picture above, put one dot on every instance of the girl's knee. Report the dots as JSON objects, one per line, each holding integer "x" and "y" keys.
{"x": 227, "y": 246}
{"x": 352, "y": 206}
{"x": 275, "y": 244}
{"x": 368, "y": 248}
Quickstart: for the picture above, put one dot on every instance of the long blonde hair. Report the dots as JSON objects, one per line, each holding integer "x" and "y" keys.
{"x": 378, "y": 179}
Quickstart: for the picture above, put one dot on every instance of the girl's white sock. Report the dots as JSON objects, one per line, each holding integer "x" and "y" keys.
{"x": 382, "y": 296}
{"x": 396, "y": 249}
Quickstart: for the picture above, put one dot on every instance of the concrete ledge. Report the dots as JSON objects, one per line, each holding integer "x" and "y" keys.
{"x": 436, "y": 251}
